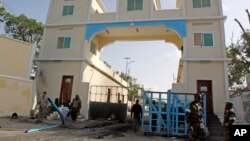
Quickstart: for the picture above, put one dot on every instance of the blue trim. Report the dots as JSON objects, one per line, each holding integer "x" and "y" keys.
{"x": 177, "y": 25}
{"x": 57, "y": 109}
{"x": 44, "y": 127}
{"x": 173, "y": 116}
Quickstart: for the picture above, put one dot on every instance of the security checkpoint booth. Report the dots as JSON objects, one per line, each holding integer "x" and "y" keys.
{"x": 164, "y": 112}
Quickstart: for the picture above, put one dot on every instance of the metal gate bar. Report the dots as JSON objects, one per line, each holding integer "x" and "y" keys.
{"x": 164, "y": 112}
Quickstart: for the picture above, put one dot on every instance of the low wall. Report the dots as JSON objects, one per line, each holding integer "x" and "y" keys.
{"x": 242, "y": 106}
{"x": 105, "y": 110}
{"x": 246, "y": 106}
{"x": 84, "y": 96}
{"x": 15, "y": 96}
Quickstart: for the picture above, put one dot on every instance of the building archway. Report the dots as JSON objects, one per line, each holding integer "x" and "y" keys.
{"x": 154, "y": 64}
{"x": 171, "y": 31}
{"x": 99, "y": 36}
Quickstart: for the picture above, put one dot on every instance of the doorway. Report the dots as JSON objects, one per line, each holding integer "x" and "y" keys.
{"x": 205, "y": 87}
{"x": 66, "y": 89}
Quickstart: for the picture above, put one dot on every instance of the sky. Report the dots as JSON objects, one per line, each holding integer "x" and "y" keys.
{"x": 156, "y": 62}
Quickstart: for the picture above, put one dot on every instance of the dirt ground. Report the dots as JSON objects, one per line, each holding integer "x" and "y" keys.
{"x": 88, "y": 130}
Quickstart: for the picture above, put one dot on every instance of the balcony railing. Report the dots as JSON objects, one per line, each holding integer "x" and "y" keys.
{"x": 156, "y": 14}
{"x": 167, "y": 14}
{"x": 108, "y": 17}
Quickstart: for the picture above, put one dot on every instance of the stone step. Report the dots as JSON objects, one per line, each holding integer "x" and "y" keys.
{"x": 215, "y": 133}
{"x": 214, "y": 128}
{"x": 211, "y": 123}
{"x": 214, "y": 125}
{"x": 212, "y": 116}
{"x": 218, "y": 138}
{"x": 218, "y": 128}
{"x": 213, "y": 119}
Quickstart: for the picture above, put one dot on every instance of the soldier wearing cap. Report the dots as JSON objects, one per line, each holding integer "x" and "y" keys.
{"x": 229, "y": 119}
{"x": 195, "y": 120}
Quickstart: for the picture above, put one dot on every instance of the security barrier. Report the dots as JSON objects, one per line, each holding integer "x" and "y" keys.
{"x": 164, "y": 112}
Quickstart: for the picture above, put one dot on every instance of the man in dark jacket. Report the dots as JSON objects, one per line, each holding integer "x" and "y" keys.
{"x": 137, "y": 111}
{"x": 229, "y": 119}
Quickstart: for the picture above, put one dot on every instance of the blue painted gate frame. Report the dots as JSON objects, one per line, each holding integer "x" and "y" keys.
{"x": 164, "y": 112}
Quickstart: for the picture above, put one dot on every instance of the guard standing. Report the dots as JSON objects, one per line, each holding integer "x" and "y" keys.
{"x": 229, "y": 119}
{"x": 195, "y": 120}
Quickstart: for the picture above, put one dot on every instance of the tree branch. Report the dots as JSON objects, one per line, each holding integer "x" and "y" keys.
{"x": 248, "y": 15}
{"x": 245, "y": 35}
{"x": 244, "y": 59}
{"x": 244, "y": 32}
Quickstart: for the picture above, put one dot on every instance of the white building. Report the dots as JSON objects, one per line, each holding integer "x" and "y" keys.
{"x": 77, "y": 30}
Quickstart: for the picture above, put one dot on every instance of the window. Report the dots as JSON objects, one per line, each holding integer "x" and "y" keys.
{"x": 123, "y": 98}
{"x": 203, "y": 39}
{"x": 93, "y": 47}
{"x": 109, "y": 95}
{"x": 119, "y": 101}
{"x": 68, "y": 10}
{"x": 133, "y": 5}
{"x": 201, "y": 3}
{"x": 63, "y": 42}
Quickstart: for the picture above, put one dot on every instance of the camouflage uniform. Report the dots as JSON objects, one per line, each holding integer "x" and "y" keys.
{"x": 195, "y": 120}
{"x": 43, "y": 104}
{"x": 229, "y": 118}
{"x": 75, "y": 107}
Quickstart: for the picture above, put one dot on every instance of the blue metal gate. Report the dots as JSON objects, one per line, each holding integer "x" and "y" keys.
{"x": 164, "y": 112}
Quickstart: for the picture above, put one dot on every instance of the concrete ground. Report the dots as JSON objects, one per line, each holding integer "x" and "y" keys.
{"x": 89, "y": 130}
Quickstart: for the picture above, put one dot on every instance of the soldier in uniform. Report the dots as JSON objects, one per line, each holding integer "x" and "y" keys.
{"x": 229, "y": 119}
{"x": 195, "y": 120}
{"x": 75, "y": 107}
{"x": 43, "y": 105}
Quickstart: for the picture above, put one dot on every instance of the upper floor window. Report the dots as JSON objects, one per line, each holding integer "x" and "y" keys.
{"x": 201, "y": 3}
{"x": 68, "y": 10}
{"x": 203, "y": 39}
{"x": 133, "y": 5}
{"x": 63, "y": 42}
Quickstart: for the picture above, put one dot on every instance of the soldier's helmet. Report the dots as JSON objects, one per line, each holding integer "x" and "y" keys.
{"x": 197, "y": 96}
{"x": 229, "y": 105}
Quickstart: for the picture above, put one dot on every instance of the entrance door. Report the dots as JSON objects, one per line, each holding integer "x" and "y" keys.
{"x": 205, "y": 86}
{"x": 66, "y": 89}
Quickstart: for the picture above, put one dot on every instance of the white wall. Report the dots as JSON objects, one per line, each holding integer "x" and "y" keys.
{"x": 242, "y": 107}
{"x": 15, "y": 96}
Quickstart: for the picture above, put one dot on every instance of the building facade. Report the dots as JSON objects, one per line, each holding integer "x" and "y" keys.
{"x": 76, "y": 31}
{"x": 15, "y": 69}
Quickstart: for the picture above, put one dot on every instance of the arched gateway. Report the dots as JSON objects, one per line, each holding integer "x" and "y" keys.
{"x": 76, "y": 31}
